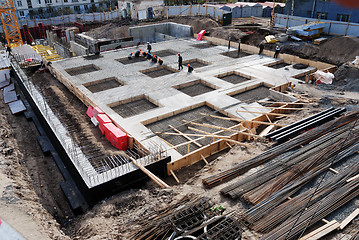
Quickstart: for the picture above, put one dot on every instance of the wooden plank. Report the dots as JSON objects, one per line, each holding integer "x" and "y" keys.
{"x": 266, "y": 131}
{"x": 229, "y": 145}
{"x": 204, "y": 159}
{"x": 269, "y": 113}
{"x": 174, "y": 176}
{"x": 242, "y": 120}
{"x": 291, "y": 103}
{"x": 322, "y": 231}
{"x": 193, "y": 135}
{"x": 353, "y": 178}
{"x": 346, "y": 221}
{"x": 185, "y": 136}
{"x": 333, "y": 170}
{"x": 150, "y": 174}
{"x": 279, "y": 108}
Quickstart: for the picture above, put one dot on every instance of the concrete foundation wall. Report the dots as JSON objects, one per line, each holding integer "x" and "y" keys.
{"x": 78, "y": 49}
{"x": 62, "y": 51}
{"x": 149, "y": 33}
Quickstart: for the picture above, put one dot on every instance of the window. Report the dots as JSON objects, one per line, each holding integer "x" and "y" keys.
{"x": 48, "y": 1}
{"x": 324, "y": 0}
{"x": 343, "y": 17}
{"x": 19, "y": 3}
{"x": 66, "y": 0}
{"x": 21, "y": 13}
{"x": 75, "y": 0}
{"x": 322, "y": 15}
{"x": 77, "y": 8}
{"x": 86, "y": 7}
{"x": 39, "y": 1}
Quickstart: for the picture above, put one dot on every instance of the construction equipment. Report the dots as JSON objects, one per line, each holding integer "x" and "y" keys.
{"x": 10, "y": 23}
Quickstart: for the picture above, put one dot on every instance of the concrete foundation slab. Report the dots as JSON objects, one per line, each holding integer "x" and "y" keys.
{"x": 153, "y": 97}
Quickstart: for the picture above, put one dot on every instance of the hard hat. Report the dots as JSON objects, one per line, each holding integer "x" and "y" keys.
{"x": 132, "y": 53}
{"x": 188, "y": 65}
{"x": 178, "y": 54}
{"x": 154, "y": 56}
{"x": 140, "y": 50}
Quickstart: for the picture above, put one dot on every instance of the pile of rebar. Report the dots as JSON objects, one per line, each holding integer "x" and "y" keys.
{"x": 283, "y": 134}
{"x": 271, "y": 212}
{"x": 296, "y": 225}
{"x": 277, "y": 150}
{"x": 300, "y": 166}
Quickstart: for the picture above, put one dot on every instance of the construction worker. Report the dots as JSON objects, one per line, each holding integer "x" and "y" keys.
{"x": 277, "y": 51}
{"x": 180, "y": 62}
{"x": 160, "y": 61}
{"x": 144, "y": 53}
{"x": 149, "y": 56}
{"x": 239, "y": 47}
{"x": 190, "y": 68}
{"x": 149, "y": 47}
{"x": 8, "y": 49}
{"x": 137, "y": 54}
{"x": 261, "y": 47}
{"x": 154, "y": 59}
{"x": 130, "y": 56}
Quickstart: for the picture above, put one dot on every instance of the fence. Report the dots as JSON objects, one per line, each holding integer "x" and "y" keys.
{"x": 331, "y": 27}
{"x": 69, "y": 19}
{"x": 194, "y": 10}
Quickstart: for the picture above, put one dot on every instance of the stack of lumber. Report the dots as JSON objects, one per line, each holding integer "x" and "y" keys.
{"x": 292, "y": 144}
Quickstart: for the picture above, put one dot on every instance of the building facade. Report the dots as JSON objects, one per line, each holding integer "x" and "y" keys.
{"x": 322, "y": 9}
{"x": 30, "y": 9}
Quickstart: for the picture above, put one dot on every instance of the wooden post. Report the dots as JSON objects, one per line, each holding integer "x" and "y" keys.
{"x": 167, "y": 12}
{"x": 346, "y": 30}
{"x": 204, "y": 159}
{"x": 150, "y": 174}
{"x": 174, "y": 176}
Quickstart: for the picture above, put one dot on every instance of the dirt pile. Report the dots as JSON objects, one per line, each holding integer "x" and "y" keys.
{"x": 347, "y": 78}
{"x": 109, "y": 31}
{"x": 337, "y": 50}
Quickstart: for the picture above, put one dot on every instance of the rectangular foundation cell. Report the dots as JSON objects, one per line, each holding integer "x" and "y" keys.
{"x": 252, "y": 95}
{"x": 233, "y": 78}
{"x": 234, "y": 54}
{"x": 158, "y": 71}
{"x": 279, "y": 65}
{"x": 196, "y": 89}
{"x": 82, "y": 69}
{"x": 134, "y": 107}
{"x": 103, "y": 85}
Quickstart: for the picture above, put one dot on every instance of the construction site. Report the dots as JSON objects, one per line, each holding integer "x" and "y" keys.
{"x": 178, "y": 128}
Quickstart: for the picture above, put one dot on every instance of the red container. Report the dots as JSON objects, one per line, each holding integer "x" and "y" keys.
{"x": 102, "y": 119}
{"x": 116, "y": 136}
{"x": 89, "y": 111}
{"x": 96, "y": 111}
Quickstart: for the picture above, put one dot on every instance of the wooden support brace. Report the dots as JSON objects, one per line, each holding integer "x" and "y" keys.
{"x": 353, "y": 178}
{"x": 174, "y": 176}
{"x": 204, "y": 159}
{"x": 242, "y": 120}
{"x": 283, "y": 103}
{"x": 185, "y": 136}
{"x": 333, "y": 170}
{"x": 279, "y": 108}
{"x": 229, "y": 145}
{"x": 273, "y": 114}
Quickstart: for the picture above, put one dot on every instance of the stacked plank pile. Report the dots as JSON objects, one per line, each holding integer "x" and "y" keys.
{"x": 292, "y": 144}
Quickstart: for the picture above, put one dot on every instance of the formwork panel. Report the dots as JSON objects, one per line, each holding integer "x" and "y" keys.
{"x": 83, "y": 69}
{"x": 104, "y": 84}
{"x": 133, "y": 107}
{"x": 180, "y": 122}
{"x": 252, "y": 95}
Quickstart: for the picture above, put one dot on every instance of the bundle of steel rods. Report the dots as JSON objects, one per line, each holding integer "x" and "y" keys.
{"x": 277, "y": 150}
{"x": 310, "y": 167}
{"x": 296, "y": 225}
{"x": 294, "y": 129}
{"x": 285, "y": 162}
{"x": 266, "y": 215}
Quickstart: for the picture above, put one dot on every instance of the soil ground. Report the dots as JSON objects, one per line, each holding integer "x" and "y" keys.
{"x": 33, "y": 203}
